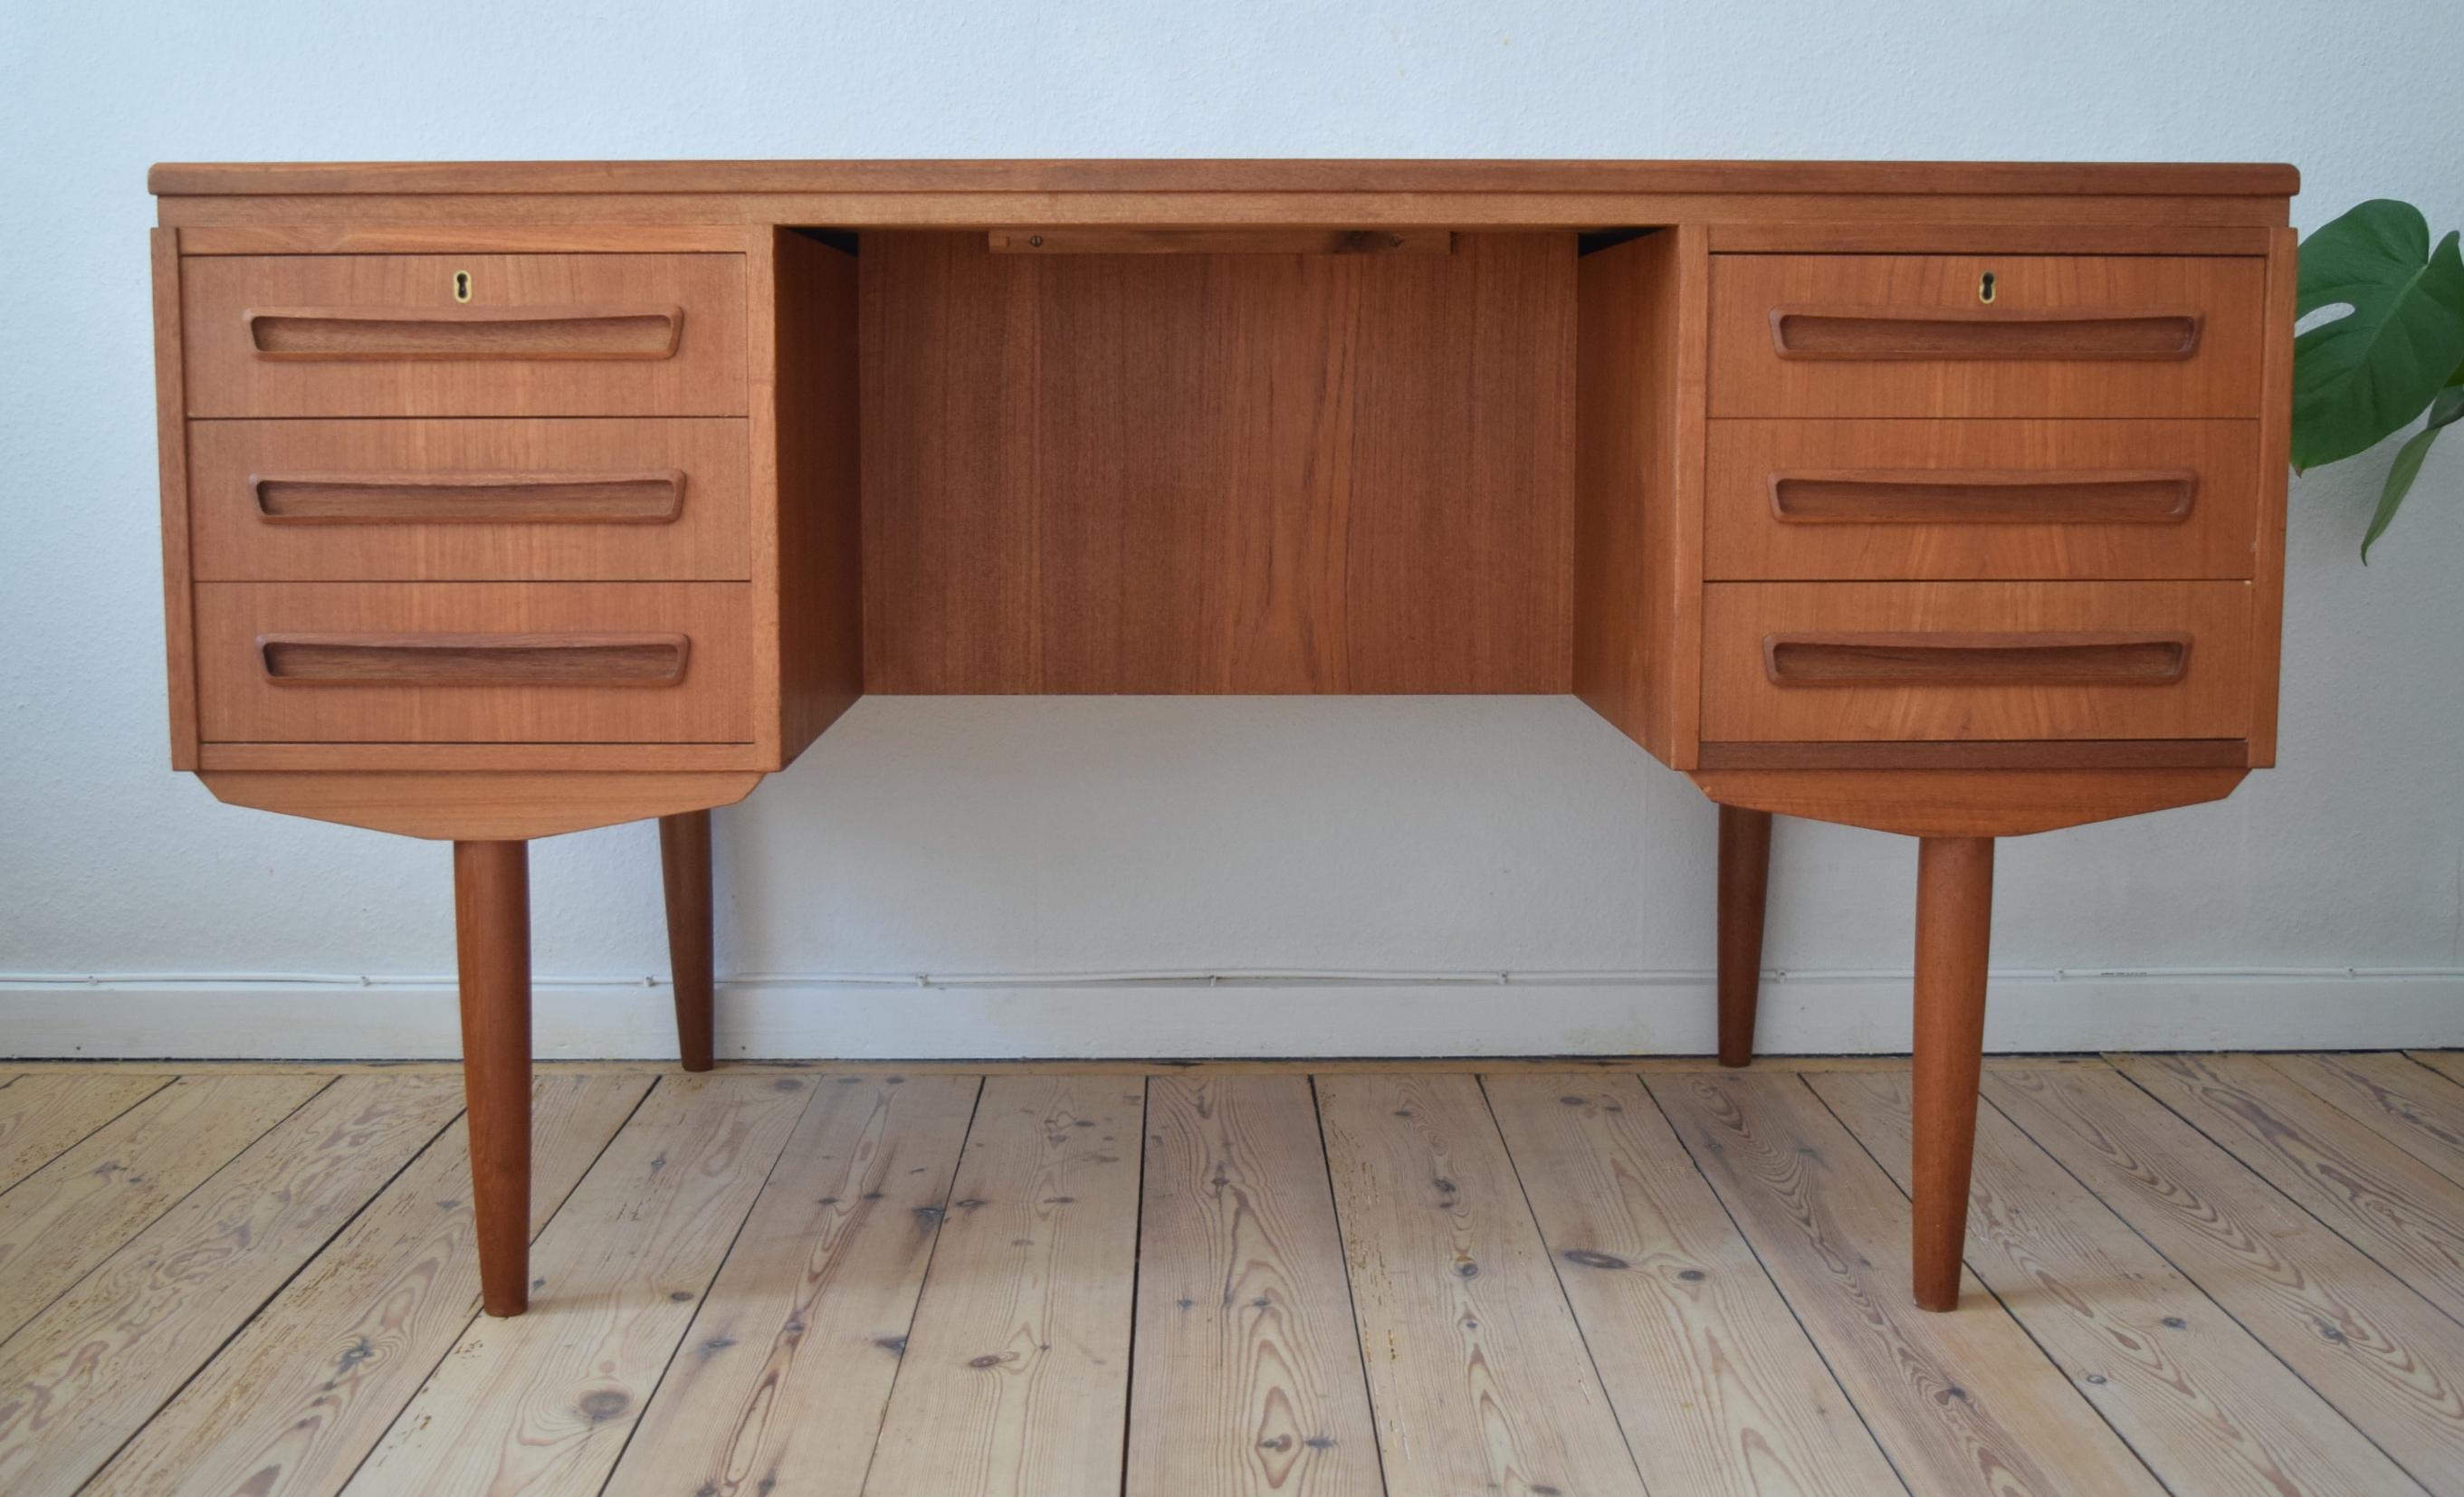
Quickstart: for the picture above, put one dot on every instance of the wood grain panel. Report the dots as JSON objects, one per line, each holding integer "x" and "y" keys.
{"x": 1844, "y": 235}
{"x": 1956, "y": 501}
{"x": 886, "y": 207}
{"x": 76, "y": 1211}
{"x": 1248, "y": 1380}
{"x": 475, "y": 803}
{"x": 2198, "y": 1397}
{"x": 1478, "y": 1373}
{"x": 171, "y": 472}
{"x": 469, "y": 500}
{"x": 544, "y": 1403}
{"x": 2042, "y": 754}
{"x": 1456, "y": 553}
{"x": 1912, "y": 335}
{"x": 243, "y": 759}
{"x": 1016, "y": 1377}
{"x": 952, "y": 600}
{"x": 1711, "y": 1375}
{"x": 2275, "y": 471}
{"x": 811, "y": 600}
{"x": 1220, "y": 241}
{"x": 2203, "y": 628}
{"x": 242, "y": 701}
{"x": 2401, "y": 1211}
{"x": 295, "y": 237}
{"x": 782, "y": 1379}
{"x": 1965, "y": 802}
{"x": 1131, "y": 180}
{"x": 42, "y": 1115}
{"x": 1961, "y": 1400}
{"x": 1217, "y": 473}
{"x": 1639, "y": 489}
{"x": 2373, "y": 1347}
{"x": 541, "y": 335}
{"x": 298, "y": 1399}
{"x": 88, "y": 1372}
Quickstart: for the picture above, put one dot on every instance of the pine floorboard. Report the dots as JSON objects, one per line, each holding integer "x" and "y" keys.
{"x": 2187, "y": 1274}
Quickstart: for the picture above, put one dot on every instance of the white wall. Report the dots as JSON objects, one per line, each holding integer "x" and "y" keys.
{"x": 1030, "y": 841}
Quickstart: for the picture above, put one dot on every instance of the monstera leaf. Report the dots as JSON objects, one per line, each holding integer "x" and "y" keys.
{"x": 2360, "y": 376}
{"x": 2444, "y": 409}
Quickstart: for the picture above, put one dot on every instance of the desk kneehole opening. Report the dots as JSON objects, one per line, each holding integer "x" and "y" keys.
{"x": 474, "y": 660}
{"x": 1891, "y": 658}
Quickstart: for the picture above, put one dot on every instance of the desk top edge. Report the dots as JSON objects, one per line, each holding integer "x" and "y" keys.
{"x": 181, "y": 179}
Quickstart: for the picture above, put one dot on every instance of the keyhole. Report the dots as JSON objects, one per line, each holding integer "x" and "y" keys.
{"x": 1985, "y": 287}
{"x": 462, "y": 286}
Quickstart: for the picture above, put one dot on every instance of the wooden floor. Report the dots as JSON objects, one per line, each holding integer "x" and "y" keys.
{"x": 2188, "y": 1274}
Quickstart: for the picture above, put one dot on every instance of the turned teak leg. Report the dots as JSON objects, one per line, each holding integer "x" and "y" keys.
{"x": 1954, "y": 932}
{"x": 684, "y": 866}
{"x": 1744, "y": 879}
{"x": 492, "y": 918}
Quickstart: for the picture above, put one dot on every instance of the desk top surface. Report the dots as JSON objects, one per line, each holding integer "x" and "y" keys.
{"x": 1450, "y": 177}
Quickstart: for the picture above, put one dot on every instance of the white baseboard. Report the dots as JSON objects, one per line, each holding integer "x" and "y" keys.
{"x": 1229, "y": 1015}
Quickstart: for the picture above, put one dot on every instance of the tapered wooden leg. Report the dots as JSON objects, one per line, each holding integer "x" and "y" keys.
{"x": 684, "y": 866}
{"x": 1744, "y": 879}
{"x": 1954, "y": 932}
{"x": 491, "y": 927}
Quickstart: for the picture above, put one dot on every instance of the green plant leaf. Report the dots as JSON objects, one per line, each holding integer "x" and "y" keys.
{"x": 2444, "y": 412}
{"x": 2362, "y": 376}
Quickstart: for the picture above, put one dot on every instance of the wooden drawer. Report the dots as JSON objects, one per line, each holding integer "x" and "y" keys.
{"x": 448, "y": 500}
{"x": 1912, "y": 335}
{"x": 1839, "y": 662}
{"x": 541, "y": 335}
{"x": 1957, "y": 499}
{"x": 475, "y": 661}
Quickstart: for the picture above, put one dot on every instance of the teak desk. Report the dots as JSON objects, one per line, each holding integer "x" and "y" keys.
{"x": 505, "y": 500}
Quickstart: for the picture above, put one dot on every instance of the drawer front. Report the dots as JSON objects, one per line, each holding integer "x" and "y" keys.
{"x": 479, "y": 501}
{"x": 1914, "y": 334}
{"x": 389, "y": 334}
{"x": 475, "y": 661}
{"x": 1973, "y": 662}
{"x": 1957, "y": 499}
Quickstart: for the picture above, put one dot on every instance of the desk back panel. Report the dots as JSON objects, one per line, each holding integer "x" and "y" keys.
{"x": 1217, "y": 473}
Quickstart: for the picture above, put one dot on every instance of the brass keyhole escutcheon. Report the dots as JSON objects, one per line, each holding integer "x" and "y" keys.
{"x": 1985, "y": 287}
{"x": 462, "y": 286}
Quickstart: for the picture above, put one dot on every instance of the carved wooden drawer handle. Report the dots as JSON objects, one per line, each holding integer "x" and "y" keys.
{"x": 1893, "y": 333}
{"x": 473, "y": 659}
{"x": 394, "y": 333}
{"x": 1923, "y": 658}
{"x": 1943, "y": 496}
{"x": 493, "y": 497}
